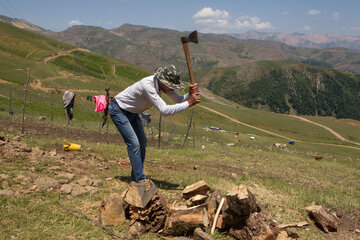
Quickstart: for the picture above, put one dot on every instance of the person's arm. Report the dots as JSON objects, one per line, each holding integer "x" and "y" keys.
{"x": 160, "y": 104}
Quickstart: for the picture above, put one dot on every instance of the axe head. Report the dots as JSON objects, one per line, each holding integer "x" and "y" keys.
{"x": 193, "y": 37}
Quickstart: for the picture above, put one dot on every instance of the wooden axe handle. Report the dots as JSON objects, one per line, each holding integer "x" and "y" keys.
{"x": 187, "y": 55}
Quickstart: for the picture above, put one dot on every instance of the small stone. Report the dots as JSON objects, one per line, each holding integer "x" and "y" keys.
{"x": 203, "y": 147}
{"x": 85, "y": 181}
{"x": 66, "y": 189}
{"x": 63, "y": 181}
{"x": 53, "y": 153}
{"x": 42, "y": 118}
{"x": 234, "y": 175}
{"x": 45, "y": 183}
{"x": 255, "y": 185}
{"x": 55, "y": 168}
{"x": 230, "y": 144}
{"x": 97, "y": 183}
{"x": 67, "y": 175}
{"x": 108, "y": 179}
{"x": 4, "y": 176}
{"x": 23, "y": 179}
{"x": 6, "y": 193}
{"x": 5, "y": 184}
{"x": 196, "y": 167}
{"x": 77, "y": 191}
{"x": 91, "y": 190}
{"x": 33, "y": 187}
{"x": 32, "y": 169}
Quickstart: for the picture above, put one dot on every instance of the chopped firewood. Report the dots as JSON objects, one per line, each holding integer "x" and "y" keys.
{"x": 196, "y": 200}
{"x": 139, "y": 194}
{"x": 184, "y": 222}
{"x": 283, "y": 235}
{"x": 221, "y": 222}
{"x": 240, "y": 201}
{"x": 324, "y": 217}
{"x": 296, "y": 225}
{"x": 199, "y": 234}
{"x": 197, "y": 188}
{"x": 112, "y": 211}
{"x": 212, "y": 203}
{"x": 135, "y": 230}
{"x": 153, "y": 216}
{"x": 257, "y": 228}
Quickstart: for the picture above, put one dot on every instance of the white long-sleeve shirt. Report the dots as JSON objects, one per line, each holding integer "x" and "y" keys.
{"x": 146, "y": 93}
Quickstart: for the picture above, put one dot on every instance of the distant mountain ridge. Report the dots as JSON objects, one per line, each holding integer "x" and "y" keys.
{"x": 153, "y": 47}
{"x": 20, "y": 23}
{"x": 306, "y": 40}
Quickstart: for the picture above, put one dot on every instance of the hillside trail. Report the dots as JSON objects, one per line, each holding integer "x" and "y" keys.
{"x": 275, "y": 134}
{"x": 62, "y": 53}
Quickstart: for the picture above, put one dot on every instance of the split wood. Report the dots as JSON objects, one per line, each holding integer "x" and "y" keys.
{"x": 217, "y": 215}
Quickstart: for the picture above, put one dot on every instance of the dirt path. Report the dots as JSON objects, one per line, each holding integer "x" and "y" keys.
{"x": 275, "y": 134}
{"x": 46, "y": 59}
{"x": 327, "y": 128}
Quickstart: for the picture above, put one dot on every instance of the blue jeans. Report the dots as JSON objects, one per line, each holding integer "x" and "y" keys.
{"x": 131, "y": 129}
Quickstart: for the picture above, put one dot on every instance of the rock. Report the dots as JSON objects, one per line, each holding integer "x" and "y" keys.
{"x": 17, "y": 138}
{"x": 97, "y": 183}
{"x": 63, "y": 181}
{"x": 108, "y": 179}
{"x": 7, "y": 193}
{"x": 66, "y": 189}
{"x": 5, "y": 184}
{"x": 77, "y": 191}
{"x": 234, "y": 175}
{"x": 66, "y": 175}
{"x": 45, "y": 183}
{"x": 203, "y": 147}
{"x": 85, "y": 181}
{"x": 22, "y": 179}
{"x": 4, "y": 176}
{"x": 53, "y": 153}
{"x": 230, "y": 144}
{"x": 91, "y": 190}
{"x": 55, "y": 168}
{"x": 283, "y": 235}
{"x": 42, "y": 118}
{"x": 112, "y": 211}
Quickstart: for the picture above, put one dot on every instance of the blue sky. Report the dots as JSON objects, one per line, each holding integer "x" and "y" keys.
{"x": 216, "y": 16}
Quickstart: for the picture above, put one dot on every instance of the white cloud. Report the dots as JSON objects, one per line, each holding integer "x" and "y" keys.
{"x": 313, "y": 12}
{"x": 285, "y": 13}
{"x": 220, "y": 21}
{"x": 307, "y": 28}
{"x": 75, "y": 22}
{"x": 336, "y": 16}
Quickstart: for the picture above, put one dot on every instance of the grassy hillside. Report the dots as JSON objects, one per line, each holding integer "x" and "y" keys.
{"x": 287, "y": 87}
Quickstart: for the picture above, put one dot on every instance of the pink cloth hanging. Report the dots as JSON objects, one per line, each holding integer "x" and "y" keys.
{"x": 100, "y": 102}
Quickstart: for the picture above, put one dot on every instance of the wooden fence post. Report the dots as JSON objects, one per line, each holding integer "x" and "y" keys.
{"x": 24, "y": 106}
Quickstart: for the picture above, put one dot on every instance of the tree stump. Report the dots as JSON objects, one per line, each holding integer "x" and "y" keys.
{"x": 240, "y": 201}
{"x": 324, "y": 217}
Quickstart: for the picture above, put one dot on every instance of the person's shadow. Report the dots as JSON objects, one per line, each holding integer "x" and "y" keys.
{"x": 159, "y": 183}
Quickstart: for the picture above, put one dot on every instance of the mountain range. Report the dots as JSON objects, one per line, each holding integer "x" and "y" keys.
{"x": 305, "y": 40}
{"x": 154, "y": 47}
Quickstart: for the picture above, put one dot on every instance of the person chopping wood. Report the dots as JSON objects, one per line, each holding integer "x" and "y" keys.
{"x": 125, "y": 107}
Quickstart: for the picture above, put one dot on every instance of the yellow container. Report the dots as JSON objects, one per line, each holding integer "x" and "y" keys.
{"x": 71, "y": 146}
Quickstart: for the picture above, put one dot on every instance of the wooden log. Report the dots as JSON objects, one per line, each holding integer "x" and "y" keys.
{"x": 196, "y": 200}
{"x": 139, "y": 194}
{"x": 240, "y": 201}
{"x": 221, "y": 222}
{"x": 324, "y": 217}
{"x": 111, "y": 211}
{"x": 199, "y": 234}
{"x": 257, "y": 228}
{"x": 184, "y": 222}
{"x": 200, "y": 187}
{"x": 135, "y": 230}
{"x": 293, "y": 225}
{"x": 212, "y": 203}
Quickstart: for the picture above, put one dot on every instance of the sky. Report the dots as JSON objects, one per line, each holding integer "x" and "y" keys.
{"x": 207, "y": 16}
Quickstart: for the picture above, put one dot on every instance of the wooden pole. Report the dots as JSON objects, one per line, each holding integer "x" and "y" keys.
{"x": 24, "y": 106}
{"x": 159, "y": 130}
{"x": 188, "y": 129}
{"x": 67, "y": 118}
{"x": 11, "y": 110}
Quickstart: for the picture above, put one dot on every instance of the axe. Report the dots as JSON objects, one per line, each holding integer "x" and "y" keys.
{"x": 193, "y": 37}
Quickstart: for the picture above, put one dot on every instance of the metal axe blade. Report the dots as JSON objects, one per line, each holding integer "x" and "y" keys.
{"x": 193, "y": 37}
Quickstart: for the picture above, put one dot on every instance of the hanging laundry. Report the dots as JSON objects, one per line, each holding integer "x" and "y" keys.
{"x": 100, "y": 102}
{"x": 68, "y": 99}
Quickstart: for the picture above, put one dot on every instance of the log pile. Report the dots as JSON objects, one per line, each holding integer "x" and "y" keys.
{"x": 236, "y": 213}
